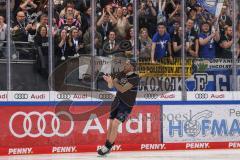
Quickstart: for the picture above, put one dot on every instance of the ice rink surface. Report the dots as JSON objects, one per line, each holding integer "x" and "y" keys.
{"x": 151, "y": 155}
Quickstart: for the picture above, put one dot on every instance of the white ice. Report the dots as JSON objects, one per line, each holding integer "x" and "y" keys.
{"x": 151, "y": 155}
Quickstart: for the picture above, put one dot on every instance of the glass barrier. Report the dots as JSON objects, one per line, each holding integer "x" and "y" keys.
{"x": 237, "y": 45}
{"x": 3, "y": 47}
{"x": 115, "y": 38}
{"x": 29, "y": 46}
{"x": 174, "y": 43}
{"x": 159, "y": 50}
{"x": 209, "y": 46}
{"x": 74, "y": 47}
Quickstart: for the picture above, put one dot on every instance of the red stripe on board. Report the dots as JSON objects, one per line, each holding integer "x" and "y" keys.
{"x": 118, "y": 147}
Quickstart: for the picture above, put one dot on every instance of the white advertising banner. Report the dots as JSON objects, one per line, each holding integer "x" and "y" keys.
{"x": 21, "y": 96}
{"x": 55, "y": 96}
{"x": 201, "y": 123}
{"x": 70, "y": 96}
{"x": 159, "y": 96}
{"x": 3, "y": 96}
{"x": 211, "y": 96}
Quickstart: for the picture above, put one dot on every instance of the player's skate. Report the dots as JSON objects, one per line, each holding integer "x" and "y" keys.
{"x": 105, "y": 149}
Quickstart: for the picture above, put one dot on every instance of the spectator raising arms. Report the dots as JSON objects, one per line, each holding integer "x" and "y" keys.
{"x": 121, "y": 23}
{"x": 207, "y": 41}
{"x": 148, "y": 16}
{"x": 161, "y": 7}
{"x": 69, "y": 9}
{"x": 22, "y": 28}
{"x": 177, "y": 42}
{"x": 70, "y": 22}
{"x": 226, "y": 43}
{"x": 62, "y": 46}
{"x": 192, "y": 43}
{"x": 28, "y": 4}
{"x": 104, "y": 25}
{"x": 76, "y": 42}
{"x": 41, "y": 41}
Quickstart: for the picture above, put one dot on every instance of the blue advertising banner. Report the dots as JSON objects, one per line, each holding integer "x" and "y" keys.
{"x": 201, "y": 75}
{"x": 211, "y": 75}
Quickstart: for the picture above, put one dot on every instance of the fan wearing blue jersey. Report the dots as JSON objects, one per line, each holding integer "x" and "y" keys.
{"x": 207, "y": 41}
{"x": 161, "y": 44}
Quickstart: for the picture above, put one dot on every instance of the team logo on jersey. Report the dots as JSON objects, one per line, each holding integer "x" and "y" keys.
{"x": 162, "y": 43}
{"x": 123, "y": 81}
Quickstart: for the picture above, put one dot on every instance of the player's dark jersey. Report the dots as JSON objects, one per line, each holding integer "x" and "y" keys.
{"x": 128, "y": 97}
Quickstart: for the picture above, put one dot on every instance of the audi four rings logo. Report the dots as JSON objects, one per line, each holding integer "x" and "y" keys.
{"x": 64, "y": 96}
{"x": 27, "y": 124}
{"x": 105, "y": 96}
{"x": 151, "y": 96}
{"x": 201, "y": 95}
{"x": 21, "y": 96}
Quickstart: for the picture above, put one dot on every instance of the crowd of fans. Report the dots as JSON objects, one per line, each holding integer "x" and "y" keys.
{"x": 160, "y": 31}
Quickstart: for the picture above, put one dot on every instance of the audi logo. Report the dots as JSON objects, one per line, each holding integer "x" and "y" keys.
{"x": 27, "y": 124}
{"x": 63, "y": 96}
{"x": 201, "y": 95}
{"x": 21, "y": 96}
{"x": 105, "y": 96}
{"x": 151, "y": 96}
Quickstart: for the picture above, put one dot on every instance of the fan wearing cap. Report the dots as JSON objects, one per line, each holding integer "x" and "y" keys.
{"x": 126, "y": 84}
